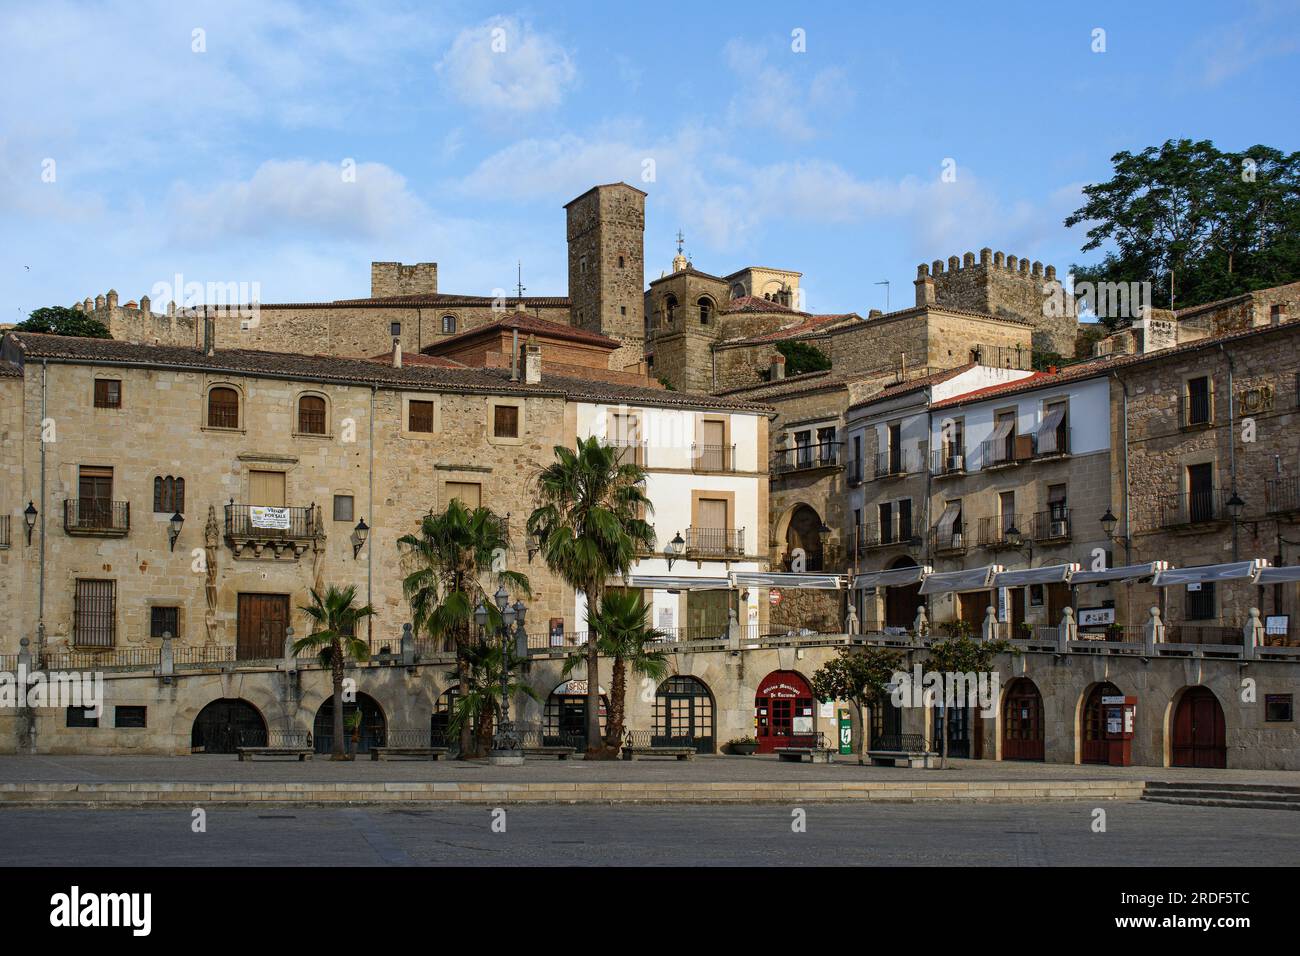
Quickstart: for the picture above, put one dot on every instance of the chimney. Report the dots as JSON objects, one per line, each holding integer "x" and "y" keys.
{"x": 532, "y": 363}
{"x": 209, "y": 334}
{"x": 924, "y": 286}
{"x": 777, "y": 367}
{"x": 514, "y": 355}
{"x": 397, "y": 353}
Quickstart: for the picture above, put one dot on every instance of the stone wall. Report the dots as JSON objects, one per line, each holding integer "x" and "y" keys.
{"x": 396, "y": 278}
{"x": 606, "y": 236}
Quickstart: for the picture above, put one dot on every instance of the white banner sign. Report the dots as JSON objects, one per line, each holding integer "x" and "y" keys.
{"x": 1092, "y": 616}
{"x": 263, "y": 517}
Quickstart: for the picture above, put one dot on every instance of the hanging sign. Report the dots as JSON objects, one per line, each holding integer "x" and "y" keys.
{"x": 261, "y": 516}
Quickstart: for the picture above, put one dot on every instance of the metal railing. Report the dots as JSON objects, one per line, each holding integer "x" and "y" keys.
{"x": 853, "y": 472}
{"x": 715, "y": 542}
{"x": 1051, "y": 443}
{"x": 949, "y": 461}
{"x": 1012, "y": 450}
{"x": 994, "y": 531}
{"x": 1282, "y": 494}
{"x": 4, "y": 530}
{"x": 713, "y": 457}
{"x": 649, "y": 740}
{"x": 876, "y": 535}
{"x": 805, "y": 457}
{"x": 1203, "y": 634}
{"x": 951, "y": 541}
{"x": 895, "y": 463}
{"x": 1004, "y": 356}
{"x": 1194, "y": 410}
{"x": 1050, "y": 525}
{"x": 1192, "y": 507}
{"x": 900, "y": 743}
{"x": 239, "y": 523}
{"x": 96, "y": 516}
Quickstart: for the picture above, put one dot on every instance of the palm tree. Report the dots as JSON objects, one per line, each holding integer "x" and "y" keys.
{"x": 450, "y": 557}
{"x": 589, "y": 527}
{"x": 478, "y": 704}
{"x": 622, "y": 633}
{"x": 335, "y": 618}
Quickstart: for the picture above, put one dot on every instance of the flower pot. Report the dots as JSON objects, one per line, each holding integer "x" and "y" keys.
{"x": 744, "y": 750}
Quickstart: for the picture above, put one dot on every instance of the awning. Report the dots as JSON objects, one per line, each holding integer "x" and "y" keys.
{"x": 894, "y": 577}
{"x": 1002, "y": 429}
{"x": 951, "y": 513}
{"x": 1235, "y": 571}
{"x": 1286, "y": 575}
{"x": 1128, "y": 572}
{"x": 1048, "y": 426}
{"x": 677, "y": 582}
{"x": 775, "y": 579}
{"x": 976, "y": 579}
{"x": 1052, "y": 574}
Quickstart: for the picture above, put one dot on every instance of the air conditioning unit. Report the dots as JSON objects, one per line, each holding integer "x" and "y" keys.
{"x": 956, "y": 463}
{"x": 1059, "y": 529}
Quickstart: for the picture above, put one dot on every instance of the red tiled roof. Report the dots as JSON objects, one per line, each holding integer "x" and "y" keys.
{"x": 419, "y": 358}
{"x": 812, "y": 323}
{"x": 527, "y": 323}
{"x": 445, "y": 300}
{"x": 752, "y": 303}
{"x": 916, "y": 384}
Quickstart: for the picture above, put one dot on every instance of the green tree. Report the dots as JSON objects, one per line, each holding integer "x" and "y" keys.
{"x": 1197, "y": 222}
{"x": 454, "y": 561}
{"x": 478, "y": 703}
{"x": 801, "y": 357}
{"x": 622, "y": 633}
{"x": 589, "y": 527}
{"x": 859, "y": 676}
{"x": 334, "y": 617}
{"x": 60, "y": 320}
{"x": 962, "y": 654}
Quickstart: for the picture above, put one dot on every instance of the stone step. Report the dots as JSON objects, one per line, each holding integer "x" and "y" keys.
{"x": 1218, "y": 786}
{"x": 1223, "y": 802}
{"x": 1211, "y": 793}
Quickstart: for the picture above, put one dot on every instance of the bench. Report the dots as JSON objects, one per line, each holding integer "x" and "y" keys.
{"x": 799, "y": 746}
{"x": 646, "y": 743}
{"x": 280, "y": 745}
{"x": 901, "y": 750}
{"x": 410, "y": 745}
{"x": 536, "y": 742}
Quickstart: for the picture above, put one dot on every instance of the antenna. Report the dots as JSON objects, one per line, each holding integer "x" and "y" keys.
{"x": 885, "y": 283}
{"x": 680, "y": 240}
{"x": 519, "y": 266}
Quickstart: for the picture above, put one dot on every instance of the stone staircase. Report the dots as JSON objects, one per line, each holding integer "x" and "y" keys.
{"x": 1252, "y": 796}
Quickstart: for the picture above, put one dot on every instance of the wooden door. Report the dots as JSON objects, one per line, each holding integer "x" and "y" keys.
{"x": 1058, "y": 599}
{"x": 973, "y": 607}
{"x": 94, "y": 497}
{"x": 1094, "y": 746}
{"x": 1022, "y": 722}
{"x": 1017, "y": 612}
{"x": 266, "y": 488}
{"x": 263, "y": 619}
{"x": 1200, "y": 738}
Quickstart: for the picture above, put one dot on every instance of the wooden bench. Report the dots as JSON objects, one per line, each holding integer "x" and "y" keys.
{"x": 811, "y": 746}
{"x": 645, "y": 743}
{"x": 901, "y": 750}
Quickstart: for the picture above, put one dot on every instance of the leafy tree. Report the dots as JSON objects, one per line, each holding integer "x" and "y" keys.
{"x": 453, "y": 565}
{"x": 961, "y": 654}
{"x": 478, "y": 702}
{"x": 621, "y": 632}
{"x": 589, "y": 527}
{"x": 1197, "y": 222}
{"x": 335, "y": 617}
{"x": 859, "y": 676}
{"x": 60, "y": 320}
{"x": 801, "y": 357}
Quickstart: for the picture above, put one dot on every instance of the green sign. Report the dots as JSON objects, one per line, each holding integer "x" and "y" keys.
{"x": 846, "y": 733}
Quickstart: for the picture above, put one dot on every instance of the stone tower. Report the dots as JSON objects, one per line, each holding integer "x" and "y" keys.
{"x": 606, "y": 233}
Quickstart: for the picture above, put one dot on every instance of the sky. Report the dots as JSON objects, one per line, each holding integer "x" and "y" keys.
{"x": 283, "y": 146}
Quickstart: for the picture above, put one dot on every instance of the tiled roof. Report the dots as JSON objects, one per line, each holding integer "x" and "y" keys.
{"x": 443, "y": 300}
{"x": 753, "y": 303}
{"x": 527, "y": 323}
{"x": 812, "y": 324}
{"x": 692, "y": 271}
{"x": 9, "y": 370}
{"x": 795, "y": 385}
{"x": 916, "y": 384}
{"x": 418, "y": 376}
{"x": 419, "y": 358}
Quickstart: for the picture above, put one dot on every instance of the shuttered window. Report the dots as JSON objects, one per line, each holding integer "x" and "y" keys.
{"x": 108, "y": 393}
{"x": 505, "y": 421}
{"x": 420, "y": 417}
{"x": 311, "y": 415}
{"x": 223, "y": 408}
{"x": 168, "y": 495}
{"x": 469, "y": 493}
{"x": 94, "y": 613}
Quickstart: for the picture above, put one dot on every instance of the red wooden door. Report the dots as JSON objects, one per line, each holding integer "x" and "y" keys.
{"x": 263, "y": 619}
{"x": 1094, "y": 749}
{"x": 783, "y": 706}
{"x": 1200, "y": 737}
{"x": 1022, "y": 722}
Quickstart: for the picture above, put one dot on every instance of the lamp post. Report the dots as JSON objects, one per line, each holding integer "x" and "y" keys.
{"x": 174, "y": 528}
{"x": 673, "y": 549}
{"x": 359, "y": 535}
{"x": 1235, "y": 506}
{"x": 29, "y": 519}
{"x": 507, "y": 749}
{"x": 1108, "y": 524}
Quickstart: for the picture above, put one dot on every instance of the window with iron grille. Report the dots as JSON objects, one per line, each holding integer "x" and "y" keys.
{"x": 448, "y": 324}
{"x": 168, "y": 495}
{"x": 505, "y": 421}
{"x": 311, "y": 415}
{"x": 164, "y": 620}
{"x": 1198, "y": 401}
{"x": 130, "y": 715}
{"x": 343, "y": 507}
{"x": 1279, "y": 708}
{"x": 223, "y": 408}
{"x": 420, "y": 416}
{"x": 94, "y": 614}
{"x": 1200, "y": 604}
{"x": 81, "y": 717}
{"x": 108, "y": 393}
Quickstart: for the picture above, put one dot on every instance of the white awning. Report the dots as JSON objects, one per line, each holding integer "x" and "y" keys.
{"x": 1048, "y": 426}
{"x": 1002, "y": 429}
{"x": 1235, "y": 571}
{"x": 1052, "y": 574}
{"x": 894, "y": 577}
{"x": 975, "y": 579}
{"x": 677, "y": 582}
{"x": 775, "y": 579}
{"x": 1128, "y": 572}
{"x": 949, "y": 518}
{"x": 1286, "y": 575}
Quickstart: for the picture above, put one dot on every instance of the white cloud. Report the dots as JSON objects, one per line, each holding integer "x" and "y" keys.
{"x": 773, "y": 99}
{"x": 505, "y": 65}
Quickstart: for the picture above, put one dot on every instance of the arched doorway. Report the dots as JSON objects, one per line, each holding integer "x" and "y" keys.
{"x": 684, "y": 710}
{"x": 1022, "y": 721}
{"x": 804, "y": 532}
{"x": 783, "y": 706}
{"x": 369, "y": 734}
{"x": 1093, "y": 726}
{"x": 1199, "y": 733}
{"x": 901, "y": 601}
{"x": 224, "y": 726}
{"x": 566, "y": 715}
{"x": 440, "y": 719}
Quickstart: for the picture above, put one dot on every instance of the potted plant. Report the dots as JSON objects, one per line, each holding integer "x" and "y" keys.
{"x": 743, "y": 746}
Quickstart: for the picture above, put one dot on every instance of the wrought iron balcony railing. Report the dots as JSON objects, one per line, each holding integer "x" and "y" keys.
{"x": 950, "y": 461}
{"x": 96, "y": 516}
{"x": 630, "y": 452}
{"x": 1192, "y": 507}
{"x": 4, "y": 530}
{"x": 1050, "y": 525}
{"x": 1282, "y": 495}
{"x": 883, "y": 535}
{"x": 713, "y": 457}
{"x": 896, "y": 463}
{"x": 853, "y": 472}
{"x": 1012, "y": 450}
{"x": 952, "y": 542}
{"x": 1052, "y": 443}
{"x": 996, "y": 532}
{"x": 806, "y": 457}
{"x": 715, "y": 542}
{"x": 248, "y": 521}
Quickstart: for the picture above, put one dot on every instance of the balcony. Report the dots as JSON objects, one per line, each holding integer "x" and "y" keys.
{"x": 1282, "y": 495}
{"x": 1192, "y": 508}
{"x": 1050, "y": 525}
{"x": 1195, "y": 411}
{"x": 994, "y": 531}
{"x": 1053, "y": 443}
{"x": 895, "y": 463}
{"x": 715, "y": 542}
{"x": 806, "y": 458}
{"x": 4, "y": 530}
{"x": 950, "y": 461}
{"x": 853, "y": 472}
{"x": 713, "y": 458}
{"x": 949, "y": 542}
{"x": 871, "y": 536}
{"x": 252, "y": 530}
{"x": 96, "y": 517}
{"x": 1005, "y": 452}
{"x": 629, "y": 452}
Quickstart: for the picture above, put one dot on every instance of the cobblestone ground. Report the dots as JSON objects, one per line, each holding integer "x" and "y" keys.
{"x": 1137, "y": 834}
{"x": 206, "y": 768}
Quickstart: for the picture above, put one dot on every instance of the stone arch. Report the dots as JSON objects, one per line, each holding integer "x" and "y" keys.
{"x": 707, "y": 309}
{"x": 374, "y": 724}
{"x": 1195, "y": 729}
{"x": 803, "y": 530}
{"x": 1020, "y": 729}
{"x": 1087, "y": 723}
{"x": 225, "y": 724}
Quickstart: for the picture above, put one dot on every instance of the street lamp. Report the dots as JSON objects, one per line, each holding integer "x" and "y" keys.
{"x": 359, "y": 535}
{"x": 1235, "y": 506}
{"x": 507, "y": 749}
{"x": 673, "y": 549}
{"x": 29, "y": 518}
{"x": 174, "y": 528}
{"x": 1108, "y": 524}
{"x": 534, "y": 544}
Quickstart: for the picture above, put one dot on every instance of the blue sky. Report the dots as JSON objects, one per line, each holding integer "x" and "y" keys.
{"x": 227, "y": 164}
